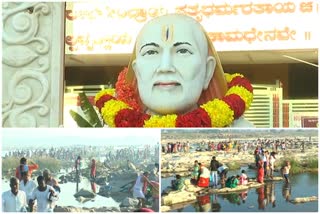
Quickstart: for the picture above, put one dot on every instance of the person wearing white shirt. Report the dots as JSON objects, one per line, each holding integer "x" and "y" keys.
{"x": 44, "y": 195}
{"x": 27, "y": 185}
{"x": 14, "y": 200}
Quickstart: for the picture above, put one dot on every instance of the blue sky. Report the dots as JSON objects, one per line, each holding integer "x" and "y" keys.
{"x": 67, "y": 137}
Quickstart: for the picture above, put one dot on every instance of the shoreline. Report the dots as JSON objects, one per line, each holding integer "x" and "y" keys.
{"x": 183, "y": 162}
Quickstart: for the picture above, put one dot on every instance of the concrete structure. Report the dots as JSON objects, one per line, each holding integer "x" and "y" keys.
{"x": 32, "y": 64}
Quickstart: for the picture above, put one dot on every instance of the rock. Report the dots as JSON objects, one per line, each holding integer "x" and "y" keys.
{"x": 165, "y": 208}
{"x": 228, "y": 190}
{"x": 82, "y": 199}
{"x": 67, "y": 209}
{"x": 101, "y": 181}
{"x": 127, "y": 209}
{"x": 175, "y": 197}
{"x": 85, "y": 193}
{"x": 107, "y": 209}
{"x": 105, "y": 190}
{"x": 62, "y": 179}
{"x": 304, "y": 199}
{"x": 129, "y": 202}
{"x": 84, "y": 209}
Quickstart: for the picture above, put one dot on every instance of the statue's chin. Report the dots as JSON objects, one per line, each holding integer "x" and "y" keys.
{"x": 168, "y": 110}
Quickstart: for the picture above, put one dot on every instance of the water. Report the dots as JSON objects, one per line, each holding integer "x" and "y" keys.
{"x": 66, "y": 197}
{"x": 273, "y": 197}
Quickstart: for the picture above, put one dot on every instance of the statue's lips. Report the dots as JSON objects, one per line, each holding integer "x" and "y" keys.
{"x": 166, "y": 84}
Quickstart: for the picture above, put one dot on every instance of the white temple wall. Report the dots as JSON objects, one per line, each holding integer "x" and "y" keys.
{"x": 32, "y": 64}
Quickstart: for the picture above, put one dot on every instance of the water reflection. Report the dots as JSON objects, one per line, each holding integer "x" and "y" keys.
{"x": 233, "y": 198}
{"x": 266, "y": 195}
{"x": 261, "y": 199}
{"x": 215, "y": 205}
{"x": 77, "y": 187}
{"x": 286, "y": 191}
{"x": 272, "y": 197}
{"x": 244, "y": 196}
{"x": 204, "y": 204}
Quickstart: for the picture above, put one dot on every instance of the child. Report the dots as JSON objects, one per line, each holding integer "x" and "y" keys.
{"x": 243, "y": 178}
{"x": 286, "y": 170}
{"x": 195, "y": 173}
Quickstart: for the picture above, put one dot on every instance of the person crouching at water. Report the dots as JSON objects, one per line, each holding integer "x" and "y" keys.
{"x": 139, "y": 188}
{"x": 243, "y": 178}
{"x": 204, "y": 177}
{"x": 223, "y": 170}
{"x": 178, "y": 183}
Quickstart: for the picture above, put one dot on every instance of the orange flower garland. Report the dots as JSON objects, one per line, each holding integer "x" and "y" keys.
{"x": 125, "y": 111}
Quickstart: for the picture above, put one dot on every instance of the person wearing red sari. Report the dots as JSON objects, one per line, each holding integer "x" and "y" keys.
{"x": 93, "y": 169}
{"x": 260, "y": 173}
{"x": 204, "y": 178}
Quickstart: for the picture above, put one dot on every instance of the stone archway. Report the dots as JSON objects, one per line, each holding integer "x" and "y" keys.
{"x": 32, "y": 64}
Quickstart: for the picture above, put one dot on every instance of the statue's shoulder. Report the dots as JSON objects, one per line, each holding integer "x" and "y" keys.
{"x": 241, "y": 122}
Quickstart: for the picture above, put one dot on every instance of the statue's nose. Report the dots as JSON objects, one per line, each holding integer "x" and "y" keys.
{"x": 166, "y": 63}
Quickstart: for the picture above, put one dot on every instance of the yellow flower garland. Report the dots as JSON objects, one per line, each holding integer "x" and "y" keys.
{"x": 220, "y": 113}
{"x": 156, "y": 121}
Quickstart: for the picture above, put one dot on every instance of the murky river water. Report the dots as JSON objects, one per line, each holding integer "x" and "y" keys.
{"x": 273, "y": 197}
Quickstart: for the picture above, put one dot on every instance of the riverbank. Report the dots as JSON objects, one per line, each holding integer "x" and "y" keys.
{"x": 182, "y": 163}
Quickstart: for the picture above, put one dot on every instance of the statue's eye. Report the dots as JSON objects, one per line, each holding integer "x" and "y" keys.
{"x": 150, "y": 52}
{"x": 184, "y": 51}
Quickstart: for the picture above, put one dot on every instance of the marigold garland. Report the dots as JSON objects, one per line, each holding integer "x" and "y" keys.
{"x": 125, "y": 111}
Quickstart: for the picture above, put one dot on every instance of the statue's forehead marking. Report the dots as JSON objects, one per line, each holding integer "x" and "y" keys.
{"x": 167, "y": 33}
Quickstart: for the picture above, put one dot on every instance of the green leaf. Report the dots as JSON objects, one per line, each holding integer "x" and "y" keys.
{"x": 79, "y": 119}
{"x": 89, "y": 112}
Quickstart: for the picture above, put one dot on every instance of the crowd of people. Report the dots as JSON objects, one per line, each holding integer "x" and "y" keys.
{"x": 110, "y": 153}
{"x": 240, "y": 145}
{"x": 25, "y": 195}
{"x": 29, "y": 193}
{"x": 216, "y": 174}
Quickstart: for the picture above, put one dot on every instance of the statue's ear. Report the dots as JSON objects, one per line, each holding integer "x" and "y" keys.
{"x": 134, "y": 67}
{"x": 210, "y": 67}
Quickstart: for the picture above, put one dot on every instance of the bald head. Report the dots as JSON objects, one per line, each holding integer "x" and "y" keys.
{"x": 171, "y": 64}
{"x": 167, "y": 26}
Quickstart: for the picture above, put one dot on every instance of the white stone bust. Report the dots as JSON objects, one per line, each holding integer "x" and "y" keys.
{"x": 172, "y": 64}
{"x": 176, "y": 67}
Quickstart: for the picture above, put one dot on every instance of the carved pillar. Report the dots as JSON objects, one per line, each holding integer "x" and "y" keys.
{"x": 32, "y": 64}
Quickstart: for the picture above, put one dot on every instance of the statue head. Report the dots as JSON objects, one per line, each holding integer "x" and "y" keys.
{"x": 174, "y": 66}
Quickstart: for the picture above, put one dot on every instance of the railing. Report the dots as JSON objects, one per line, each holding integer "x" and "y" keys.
{"x": 264, "y": 111}
{"x": 268, "y": 109}
{"x": 300, "y": 112}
